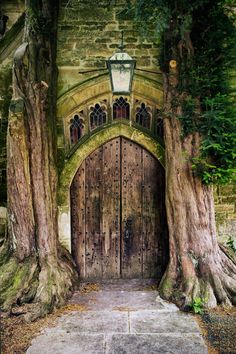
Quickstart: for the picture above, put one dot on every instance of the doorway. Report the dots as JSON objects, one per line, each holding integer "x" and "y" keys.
{"x": 118, "y": 219}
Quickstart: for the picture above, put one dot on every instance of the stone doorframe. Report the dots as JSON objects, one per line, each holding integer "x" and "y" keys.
{"x": 143, "y": 86}
{"x": 85, "y": 149}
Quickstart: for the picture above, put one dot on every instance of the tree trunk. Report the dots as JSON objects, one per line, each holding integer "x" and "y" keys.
{"x": 197, "y": 266}
{"x": 38, "y": 268}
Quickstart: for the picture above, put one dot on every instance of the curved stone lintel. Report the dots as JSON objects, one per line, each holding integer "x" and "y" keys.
{"x": 100, "y": 85}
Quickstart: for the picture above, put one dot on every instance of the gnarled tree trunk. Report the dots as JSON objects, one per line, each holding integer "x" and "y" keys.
{"x": 38, "y": 269}
{"x": 197, "y": 266}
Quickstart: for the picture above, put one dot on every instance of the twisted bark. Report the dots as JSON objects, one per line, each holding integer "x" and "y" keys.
{"x": 38, "y": 269}
{"x": 197, "y": 266}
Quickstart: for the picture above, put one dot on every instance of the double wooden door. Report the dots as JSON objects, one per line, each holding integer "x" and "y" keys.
{"x": 118, "y": 213}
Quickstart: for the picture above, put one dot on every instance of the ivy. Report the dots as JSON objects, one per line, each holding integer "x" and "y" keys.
{"x": 217, "y": 125}
{"x": 206, "y": 29}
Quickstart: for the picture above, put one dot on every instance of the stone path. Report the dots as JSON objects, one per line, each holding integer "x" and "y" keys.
{"x": 123, "y": 317}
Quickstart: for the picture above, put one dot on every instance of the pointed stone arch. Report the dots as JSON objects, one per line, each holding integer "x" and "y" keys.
{"x": 85, "y": 149}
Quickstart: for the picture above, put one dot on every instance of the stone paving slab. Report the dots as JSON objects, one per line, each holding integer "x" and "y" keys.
{"x": 123, "y": 284}
{"x": 121, "y": 321}
{"x": 68, "y": 343}
{"x": 121, "y": 299}
{"x": 93, "y": 322}
{"x": 155, "y": 344}
{"x": 156, "y": 322}
{"x": 71, "y": 343}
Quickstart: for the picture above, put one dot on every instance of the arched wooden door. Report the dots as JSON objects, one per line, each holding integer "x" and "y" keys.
{"x": 118, "y": 213}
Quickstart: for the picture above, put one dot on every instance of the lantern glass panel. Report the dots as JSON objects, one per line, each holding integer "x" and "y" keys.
{"x": 121, "y": 68}
{"x": 121, "y": 77}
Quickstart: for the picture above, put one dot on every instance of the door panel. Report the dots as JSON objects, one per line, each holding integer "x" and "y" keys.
{"x": 150, "y": 216}
{"x": 131, "y": 201}
{"x": 93, "y": 232}
{"x": 118, "y": 213}
{"x": 110, "y": 216}
{"x": 78, "y": 222}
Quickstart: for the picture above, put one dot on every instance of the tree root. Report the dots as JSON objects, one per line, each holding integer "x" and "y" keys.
{"x": 18, "y": 282}
{"x": 214, "y": 282}
{"x": 47, "y": 286}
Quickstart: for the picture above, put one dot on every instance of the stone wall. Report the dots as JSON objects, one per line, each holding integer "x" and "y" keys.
{"x": 225, "y": 204}
{"x": 89, "y": 33}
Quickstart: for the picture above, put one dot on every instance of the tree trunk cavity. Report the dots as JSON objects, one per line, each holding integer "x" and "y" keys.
{"x": 38, "y": 269}
{"x": 197, "y": 266}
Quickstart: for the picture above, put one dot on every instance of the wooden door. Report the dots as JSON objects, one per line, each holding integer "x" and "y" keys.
{"x": 118, "y": 213}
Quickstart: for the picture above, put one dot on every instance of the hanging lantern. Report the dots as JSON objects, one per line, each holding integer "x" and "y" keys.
{"x": 121, "y": 70}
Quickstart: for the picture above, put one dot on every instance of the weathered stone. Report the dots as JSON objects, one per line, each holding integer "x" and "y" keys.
{"x": 112, "y": 331}
{"x": 3, "y": 213}
{"x": 150, "y": 321}
{"x": 93, "y": 322}
{"x": 155, "y": 344}
{"x": 68, "y": 343}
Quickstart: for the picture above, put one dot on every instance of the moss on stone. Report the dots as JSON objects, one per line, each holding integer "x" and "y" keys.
{"x": 93, "y": 142}
{"x": 15, "y": 280}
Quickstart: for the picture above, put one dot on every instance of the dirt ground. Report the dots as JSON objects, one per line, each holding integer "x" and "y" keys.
{"x": 218, "y": 328}
{"x": 16, "y": 334}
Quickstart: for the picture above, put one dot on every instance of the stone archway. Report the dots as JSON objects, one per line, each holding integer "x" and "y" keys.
{"x": 85, "y": 149}
{"x": 118, "y": 217}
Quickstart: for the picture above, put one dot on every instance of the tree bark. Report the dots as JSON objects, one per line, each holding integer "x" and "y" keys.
{"x": 47, "y": 272}
{"x": 197, "y": 266}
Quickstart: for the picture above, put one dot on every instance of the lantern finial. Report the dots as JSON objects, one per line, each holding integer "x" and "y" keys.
{"x": 121, "y": 46}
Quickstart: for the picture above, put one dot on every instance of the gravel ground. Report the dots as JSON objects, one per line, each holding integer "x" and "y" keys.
{"x": 219, "y": 330}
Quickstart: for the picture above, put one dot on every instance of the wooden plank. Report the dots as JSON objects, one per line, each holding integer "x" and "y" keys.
{"x": 151, "y": 215}
{"x": 131, "y": 223}
{"x": 163, "y": 239}
{"x": 118, "y": 217}
{"x": 93, "y": 232}
{"x": 110, "y": 216}
{"x": 77, "y": 193}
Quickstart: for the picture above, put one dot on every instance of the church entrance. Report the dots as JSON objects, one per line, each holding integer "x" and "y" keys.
{"x": 118, "y": 219}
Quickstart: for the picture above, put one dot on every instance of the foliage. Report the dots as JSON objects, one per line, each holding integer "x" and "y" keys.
{"x": 201, "y": 36}
{"x": 217, "y": 125}
{"x": 230, "y": 244}
{"x": 197, "y": 305}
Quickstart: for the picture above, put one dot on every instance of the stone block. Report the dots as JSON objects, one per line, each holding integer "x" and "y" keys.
{"x": 143, "y": 61}
{"x": 104, "y": 41}
{"x": 228, "y": 189}
{"x": 153, "y": 51}
{"x": 229, "y": 199}
{"x": 94, "y": 322}
{"x": 3, "y": 213}
{"x": 144, "y": 46}
{"x": 231, "y": 216}
{"x": 131, "y": 40}
{"x": 68, "y": 343}
{"x": 155, "y": 344}
{"x": 146, "y": 322}
{"x": 112, "y": 26}
{"x": 114, "y": 34}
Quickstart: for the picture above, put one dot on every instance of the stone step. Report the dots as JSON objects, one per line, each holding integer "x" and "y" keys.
{"x": 74, "y": 343}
